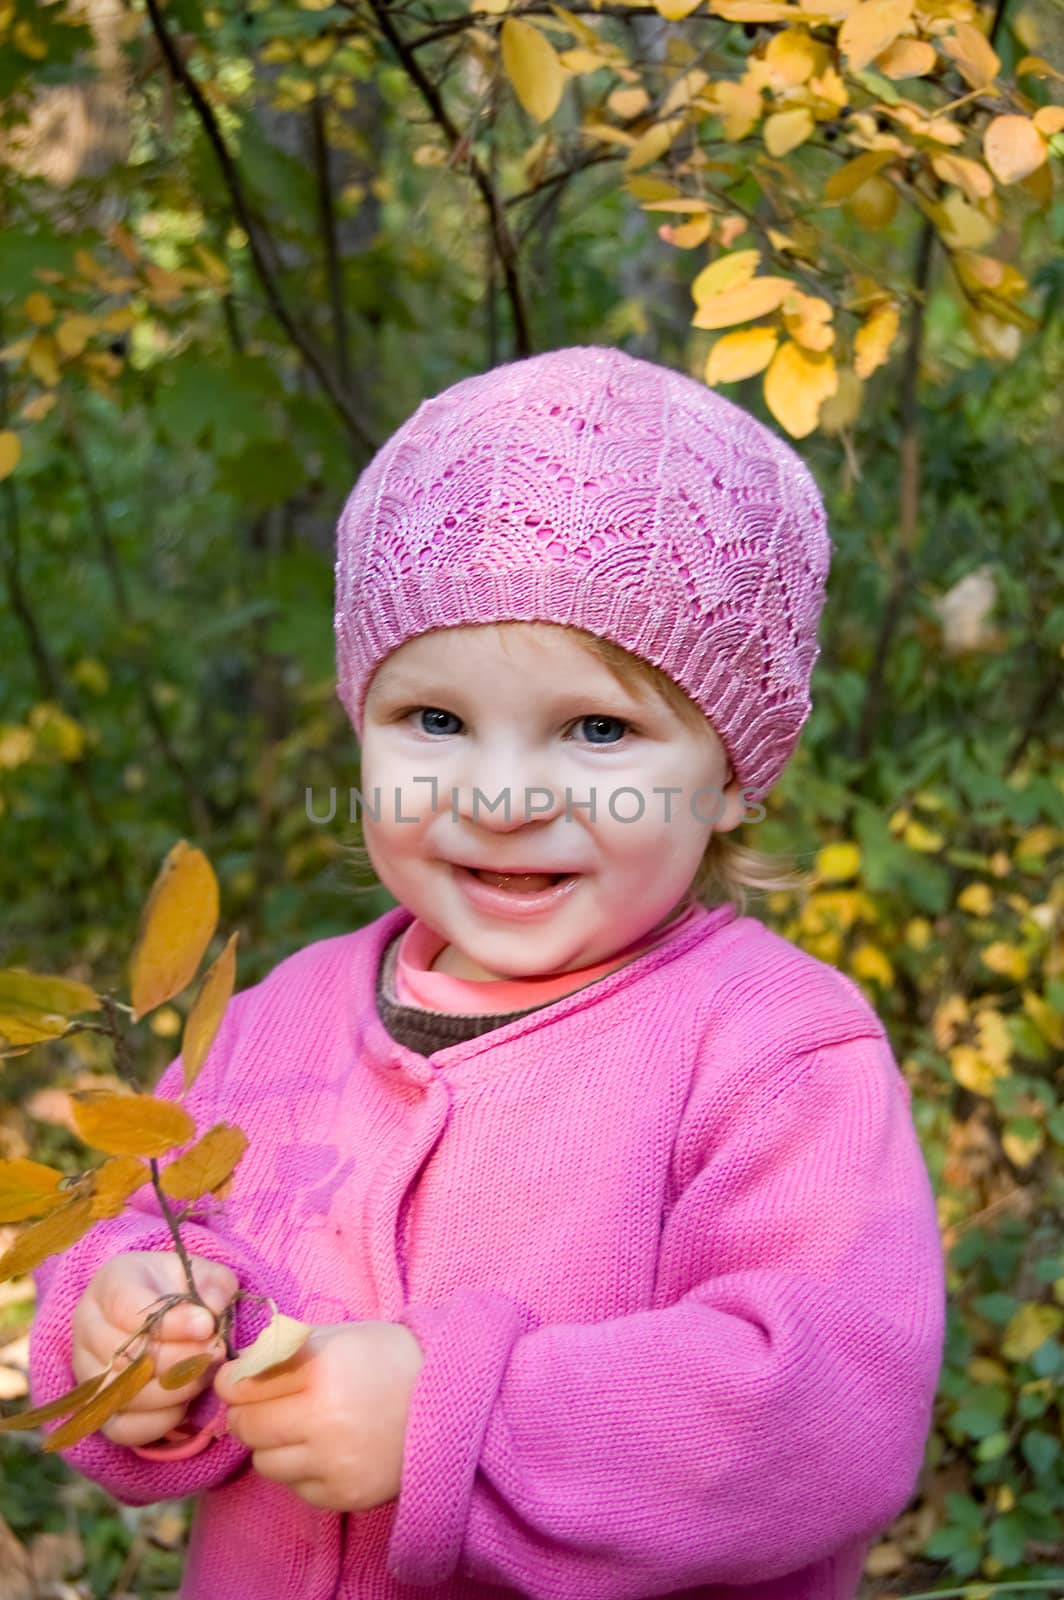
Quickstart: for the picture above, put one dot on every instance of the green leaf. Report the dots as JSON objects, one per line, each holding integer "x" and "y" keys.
{"x": 266, "y": 472}
{"x": 983, "y": 1413}
{"x": 993, "y": 1447}
{"x": 1041, "y": 1451}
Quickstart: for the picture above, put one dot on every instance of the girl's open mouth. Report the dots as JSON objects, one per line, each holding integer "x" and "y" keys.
{"x": 515, "y": 893}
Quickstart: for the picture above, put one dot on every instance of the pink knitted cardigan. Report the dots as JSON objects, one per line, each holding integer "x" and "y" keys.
{"x": 669, "y": 1245}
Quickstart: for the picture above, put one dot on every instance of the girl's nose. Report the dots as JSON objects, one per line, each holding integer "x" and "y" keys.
{"x": 507, "y": 790}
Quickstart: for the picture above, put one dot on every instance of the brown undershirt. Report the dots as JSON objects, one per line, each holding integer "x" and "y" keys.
{"x": 427, "y": 1031}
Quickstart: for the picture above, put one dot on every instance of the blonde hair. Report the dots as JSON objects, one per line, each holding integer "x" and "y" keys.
{"x": 728, "y": 871}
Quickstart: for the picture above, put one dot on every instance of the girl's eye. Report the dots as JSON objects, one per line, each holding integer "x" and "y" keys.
{"x": 598, "y": 727}
{"x": 600, "y": 724}
{"x": 434, "y": 712}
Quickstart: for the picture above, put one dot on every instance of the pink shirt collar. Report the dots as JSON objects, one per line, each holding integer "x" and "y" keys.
{"x": 417, "y": 985}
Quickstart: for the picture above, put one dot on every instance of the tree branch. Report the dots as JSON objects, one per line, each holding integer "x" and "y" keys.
{"x": 504, "y": 241}
{"x": 259, "y": 241}
{"x": 327, "y": 215}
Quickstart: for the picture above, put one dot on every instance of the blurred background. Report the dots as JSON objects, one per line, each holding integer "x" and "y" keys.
{"x": 241, "y": 243}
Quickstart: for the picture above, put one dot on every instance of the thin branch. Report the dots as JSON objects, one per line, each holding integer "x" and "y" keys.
{"x": 910, "y": 495}
{"x": 199, "y": 805}
{"x": 504, "y": 240}
{"x": 909, "y": 509}
{"x": 327, "y": 215}
{"x": 259, "y": 240}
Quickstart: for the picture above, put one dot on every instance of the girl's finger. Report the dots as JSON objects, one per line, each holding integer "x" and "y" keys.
{"x": 288, "y": 1463}
{"x": 130, "y": 1428}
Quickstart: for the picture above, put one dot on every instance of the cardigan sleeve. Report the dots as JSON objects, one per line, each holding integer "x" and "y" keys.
{"x": 775, "y": 1411}
{"x": 132, "y": 1477}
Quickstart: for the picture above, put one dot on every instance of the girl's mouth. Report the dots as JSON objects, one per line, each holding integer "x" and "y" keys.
{"x": 520, "y": 882}
{"x": 515, "y": 893}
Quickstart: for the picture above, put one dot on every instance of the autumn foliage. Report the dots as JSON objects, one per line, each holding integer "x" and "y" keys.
{"x": 133, "y": 1131}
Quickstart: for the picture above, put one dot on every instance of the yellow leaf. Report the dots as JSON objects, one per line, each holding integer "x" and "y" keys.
{"x": 131, "y": 1124}
{"x": 794, "y": 56}
{"x": 114, "y": 1182}
{"x": 686, "y": 235}
{"x": 995, "y": 338}
{"x": 829, "y": 89}
{"x": 579, "y": 61}
{"x": 183, "y": 1372}
{"x": 27, "y": 1189}
{"x": 1013, "y": 148}
{"x": 1038, "y": 67}
{"x": 1038, "y": 841}
{"x": 104, "y": 1403}
{"x": 278, "y": 1341}
{"x": 742, "y": 304}
{"x": 807, "y": 319}
{"x": 973, "y": 53}
{"x": 680, "y": 203}
{"x": 741, "y": 355}
{"x": 1021, "y": 1151}
{"x": 872, "y": 344}
{"x": 652, "y": 144}
{"x": 683, "y": 92}
{"x": 873, "y": 205}
{"x": 207, "y": 1011}
{"x": 977, "y": 899}
{"x": 917, "y": 837}
{"x": 74, "y": 333}
{"x": 962, "y": 225}
{"x": 24, "y": 1025}
{"x": 786, "y": 130}
{"x": 727, "y": 272}
{"x": 628, "y": 103}
{"x": 738, "y": 108}
{"x": 796, "y": 384}
{"x": 40, "y": 359}
{"x": 10, "y": 452}
{"x": 1029, "y": 1328}
{"x": 969, "y": 176}
{"x": 974, "y": 1072}
{"x": 870, "y": 28}
{"x": 755, "y": 11}
{"x": 38, "y": 308}
{"x": 38, "y": 991}
{"x": 1047, "y": 1019}
{"x": 869, "y": 962}
{"x": 54, "y": 1233}
{"x": 54, "y": 1408}
{"x": 676, "y": 10}
{"x": 1005, "y": 959}
{"x": 907, "y": 58}
{"x": 207, "y": 1165}
{"x": 850, "y": 177}
{"x": 532, "y": 66}
{"x": 177, "y": 925}
{"x": 1049, "y": 120}
{"x": 29, "y": 43}
{"x": 837, "y": 862}
{"x": 57, "y": 733}
{"x": 37, "y": 409}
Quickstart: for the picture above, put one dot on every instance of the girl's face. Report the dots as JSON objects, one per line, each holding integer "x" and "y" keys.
{"x": 505, "y": 748}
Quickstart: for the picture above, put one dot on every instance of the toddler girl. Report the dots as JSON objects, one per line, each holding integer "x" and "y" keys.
{"x": 603, "y": 1200}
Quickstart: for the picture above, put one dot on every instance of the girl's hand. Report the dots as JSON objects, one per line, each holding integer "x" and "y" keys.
{"x": 331, "y": 1421}
{"x": 114, "y": 1304}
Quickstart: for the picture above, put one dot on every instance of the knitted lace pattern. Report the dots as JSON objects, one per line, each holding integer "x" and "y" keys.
{"x": 590, "y": 487}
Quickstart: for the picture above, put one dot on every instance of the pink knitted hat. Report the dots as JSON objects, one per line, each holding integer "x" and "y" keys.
{"x": 589, "y": 487}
